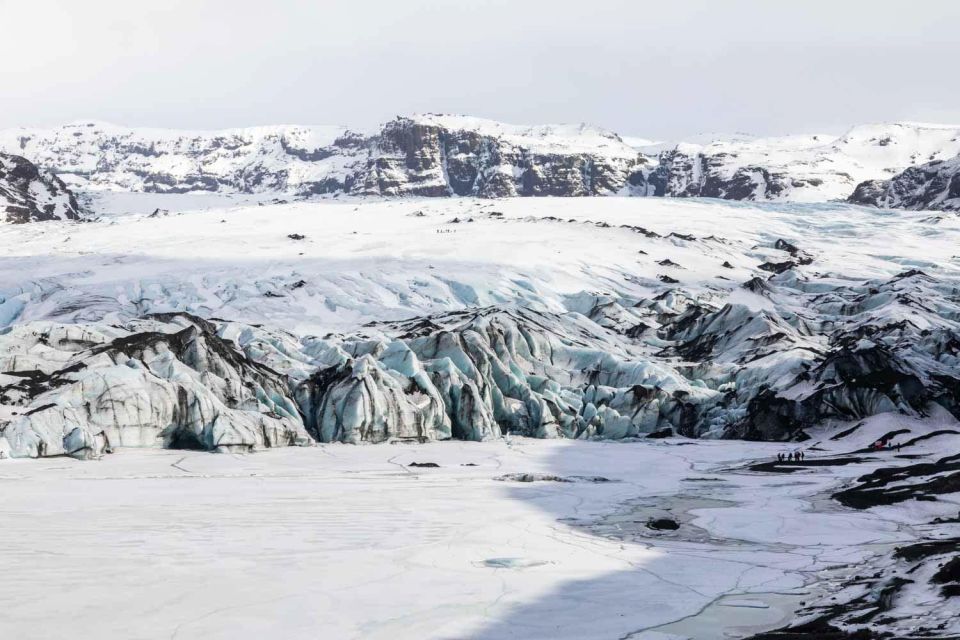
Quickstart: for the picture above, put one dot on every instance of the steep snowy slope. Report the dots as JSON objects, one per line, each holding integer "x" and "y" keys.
{"x": 28, "y": 194}
{"x": 429, "y": 319}
{"x": 441, "y": 155}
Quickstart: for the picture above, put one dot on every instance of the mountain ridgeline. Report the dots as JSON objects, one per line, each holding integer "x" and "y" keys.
{"x": 442, "y": 156}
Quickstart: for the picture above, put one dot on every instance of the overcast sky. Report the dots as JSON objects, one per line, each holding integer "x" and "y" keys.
{"x": 664, "y": 69}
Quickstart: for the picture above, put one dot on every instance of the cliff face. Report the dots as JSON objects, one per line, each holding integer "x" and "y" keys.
{"x": 934, "y": 185}
{"x": 432, "y": 157}
{"x": 28, "y": 194}
{"x": 440, "y": 156}
{"x": 683, "y": 174}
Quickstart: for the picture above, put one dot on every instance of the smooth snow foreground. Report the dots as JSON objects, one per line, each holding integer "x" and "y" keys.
{"x": 341, "y": 541}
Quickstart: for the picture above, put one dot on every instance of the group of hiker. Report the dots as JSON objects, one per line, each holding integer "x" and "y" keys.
{"x": 793, "y": 456}
{"x": 884, "y": 444}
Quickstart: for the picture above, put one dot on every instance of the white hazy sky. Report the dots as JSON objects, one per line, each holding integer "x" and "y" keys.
{"x": 663, "y": 69}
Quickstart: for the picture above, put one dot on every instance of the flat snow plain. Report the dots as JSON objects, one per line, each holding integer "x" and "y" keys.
{"x": 341, "y": 541}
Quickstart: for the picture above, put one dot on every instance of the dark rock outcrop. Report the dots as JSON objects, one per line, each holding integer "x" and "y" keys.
{"x": 934, "y": 185}
{"x": 28, "y": 194}
{"x": 688, "y": 174}
{"x": 428, "y": 157}
{"x": 441, "y": 155}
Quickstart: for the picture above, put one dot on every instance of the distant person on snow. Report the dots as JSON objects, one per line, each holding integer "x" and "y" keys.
{"x": 790, "y": 457}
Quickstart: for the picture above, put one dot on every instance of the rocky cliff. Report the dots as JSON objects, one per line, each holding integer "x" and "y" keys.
{"x": 933, "y": 185}
{"x": 28, "y": 194}
{"x": 439, "y": 155}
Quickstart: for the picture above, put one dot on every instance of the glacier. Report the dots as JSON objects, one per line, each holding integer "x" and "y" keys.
{"x": 429, "y": 320}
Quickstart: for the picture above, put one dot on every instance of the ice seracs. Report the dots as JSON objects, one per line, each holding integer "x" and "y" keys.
{"x": 538, "y": 317}
{"x": 83, "y": 391}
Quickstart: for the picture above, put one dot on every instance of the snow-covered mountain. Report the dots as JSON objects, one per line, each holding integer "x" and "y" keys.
{"x": 932, "y": 185}
{"x": 421, "y": 156}
{"x": 814, "y": 168}
{"x": 28, "y": 194}
{"x": 97, "y": 156}
{"x": 440, "y": 155}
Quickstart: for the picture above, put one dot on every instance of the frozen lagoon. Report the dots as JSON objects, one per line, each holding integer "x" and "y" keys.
{"x": 341, "y": 541}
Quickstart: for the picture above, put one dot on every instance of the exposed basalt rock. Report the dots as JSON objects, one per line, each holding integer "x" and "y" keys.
{"x": 687, "y": 173}
{"x": 867, "y": 606}
{"x": 778, "y": 267}
{"x": 663, "y": 524}
{"x": 801, "y": 256}
{"x": 438, "y": 155}
{"x": 662, "y": 433}
{"x": 870, "y": 192}
{"x": 934, "y": 185}
{"x": 430, "y": 156}
{"x": 426, "y": 157}
{"x": 897, "y": 484}
{"x": 28, "y": 194}
{"x": 949, "y": 572}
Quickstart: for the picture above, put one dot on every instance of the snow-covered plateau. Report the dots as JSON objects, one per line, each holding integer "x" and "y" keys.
{"x": 574, "y": 408}
{"x": 447, "y": 155}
